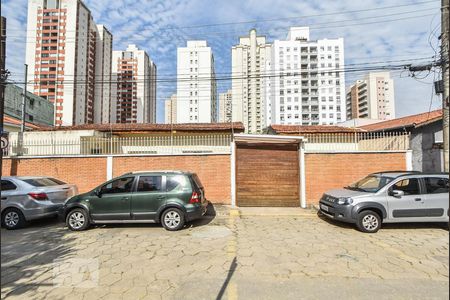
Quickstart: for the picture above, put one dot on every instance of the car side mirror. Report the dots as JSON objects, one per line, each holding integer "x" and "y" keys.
{"x": 98, "y": 193}
{"x": 397, "y": 193}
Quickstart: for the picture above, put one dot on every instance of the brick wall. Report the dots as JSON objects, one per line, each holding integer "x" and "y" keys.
{"x": 326, "y": 171}
{"x": 213, "y": 170}
{"x": 87, "y": 173}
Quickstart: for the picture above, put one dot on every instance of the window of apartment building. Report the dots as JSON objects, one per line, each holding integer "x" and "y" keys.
{"x": 323, "y": 99}
{"x": 329, "y": 56}
{"x": 289, "y": 99}
{"x": 331, "y": 116}
{"x": 324, "y": 116}
{"x": 330, "y": 98}
{"x": 329, "y": 48}
{"x": 331, "y": 107}
{"x": 296, "y": 107}
{"x": 324, "y": 107}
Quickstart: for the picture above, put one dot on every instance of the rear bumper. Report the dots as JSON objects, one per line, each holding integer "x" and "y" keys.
{"x": 44, "y": 212}
{"x": 337, "y": 212}
{"x": 195, "y": 213}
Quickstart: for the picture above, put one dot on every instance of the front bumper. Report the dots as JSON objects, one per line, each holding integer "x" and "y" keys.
{"x": 336, "y": 211}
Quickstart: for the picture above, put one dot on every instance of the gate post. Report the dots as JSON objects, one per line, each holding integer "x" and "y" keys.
{"x": 302, "y": 185}
{"x": 233, "y": 173}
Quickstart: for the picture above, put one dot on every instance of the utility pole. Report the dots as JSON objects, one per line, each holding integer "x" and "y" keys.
{"x": 24, "y": 98}
{"x": 445, "y": 32}
{"x": 24, "y": 102}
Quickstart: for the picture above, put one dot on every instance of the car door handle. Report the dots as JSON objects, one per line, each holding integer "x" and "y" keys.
{"x": 4, "y": 198}
{"x": 160, "y": 197}
{"x": 418, "y": 199}
{"x": 125, "y": 198}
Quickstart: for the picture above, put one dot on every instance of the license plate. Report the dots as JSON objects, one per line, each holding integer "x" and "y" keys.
{"x": 323, "y": 207}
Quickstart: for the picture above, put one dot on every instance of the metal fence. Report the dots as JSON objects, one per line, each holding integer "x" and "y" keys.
{"x": 358, "y": 141}
{"x": 93, "y": 145}
{"x": 190, "y": 144}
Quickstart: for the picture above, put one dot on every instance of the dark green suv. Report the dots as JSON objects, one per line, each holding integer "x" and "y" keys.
{"x": 169, "y": 197}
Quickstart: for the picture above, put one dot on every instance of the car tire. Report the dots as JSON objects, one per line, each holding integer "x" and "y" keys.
{"x": 172, "y": 219}
{"x": 368, "y": 221}
{"x": 13, "y": 218}
{"x": 77, "y": 219}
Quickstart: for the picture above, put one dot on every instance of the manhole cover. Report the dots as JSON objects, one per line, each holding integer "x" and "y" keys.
{"x": 212, "y": 232}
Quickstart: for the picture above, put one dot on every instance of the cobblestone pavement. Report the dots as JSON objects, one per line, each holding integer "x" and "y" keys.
{"x": 226, "y": 257}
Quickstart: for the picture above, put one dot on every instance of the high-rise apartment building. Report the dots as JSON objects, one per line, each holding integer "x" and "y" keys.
{"x": 308, "y": 82}
{"x": 372, "y": 97}
{"x": 196, "y": 84}
{"x": 248, "y": 68}
{"x": 134, "y": 77}
{"x": 225, "y": 107}
{"x": 62, "y": 56}
{"x": 170, "y": 110}
{"x": 103, "y": 58}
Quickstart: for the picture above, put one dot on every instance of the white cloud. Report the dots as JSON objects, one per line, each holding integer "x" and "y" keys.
{"x": 160, "y": 27}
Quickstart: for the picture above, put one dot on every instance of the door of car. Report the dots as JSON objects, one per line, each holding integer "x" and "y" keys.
{"x": 9, "y": 192}
{"x": 112, "y": 200}
{"x": 436, "y": 197}
{"x": 410, "y": 206}
{"x": 149, "y": 196}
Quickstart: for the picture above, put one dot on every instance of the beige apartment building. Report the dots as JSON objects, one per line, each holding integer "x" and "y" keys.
{"x": 248, "y": 69}
{"x": 372, "y": 97}
{"x": 170, "y": 110}
{"x": 225, "y": 107}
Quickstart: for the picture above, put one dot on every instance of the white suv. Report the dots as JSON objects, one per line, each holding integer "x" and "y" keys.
{"x": 390, "y": 197}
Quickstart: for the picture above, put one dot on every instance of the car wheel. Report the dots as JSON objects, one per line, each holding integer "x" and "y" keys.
{"x": 172, "y": 219}
{"x": 368, "y": 221}
{"x": 77, "y": 219}
{"x": 12, "y": 218}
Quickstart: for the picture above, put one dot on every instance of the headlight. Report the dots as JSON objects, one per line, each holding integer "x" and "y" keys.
{"x": 345, "y": 201}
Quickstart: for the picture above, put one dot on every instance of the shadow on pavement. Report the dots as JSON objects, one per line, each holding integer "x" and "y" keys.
{"x": 30, "y": 252}
{"x": 231, "y": 270}
{"x": 388, "y": 226}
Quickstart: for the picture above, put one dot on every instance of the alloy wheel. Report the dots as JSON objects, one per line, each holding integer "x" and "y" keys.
{"x": 12, "y": 219}
{"x": 172, "y": 219}
{"x": 370, "y": 222}
{"x": 76, "y": 220}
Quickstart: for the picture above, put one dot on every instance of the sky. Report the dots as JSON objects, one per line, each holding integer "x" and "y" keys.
{"x": 375, "y": 32}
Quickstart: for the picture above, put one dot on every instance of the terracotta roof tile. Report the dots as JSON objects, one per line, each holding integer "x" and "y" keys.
{"x": 238, "y": 126}
{"x": 299, "y": 129}
{"x": 17, "y": 122}
{"x": 409, "y": 121}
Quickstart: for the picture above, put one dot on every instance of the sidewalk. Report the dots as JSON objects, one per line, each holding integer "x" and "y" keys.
{"x": 226, "y": 210}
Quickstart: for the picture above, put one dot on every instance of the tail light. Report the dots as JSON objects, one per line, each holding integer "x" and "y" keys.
{"x": 195, "y": 198}
{"x": 38, "y": 196}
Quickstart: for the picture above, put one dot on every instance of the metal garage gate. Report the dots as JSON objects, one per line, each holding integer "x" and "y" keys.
{"x": 267, "y": 174}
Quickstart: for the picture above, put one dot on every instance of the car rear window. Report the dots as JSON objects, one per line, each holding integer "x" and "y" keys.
{"x": 436, "y": 185}
{"x": 197, "y": 180}
{"x": 176, "y": 182}
{"x": 8, "y": 185}
{"x": 39, "y": 182}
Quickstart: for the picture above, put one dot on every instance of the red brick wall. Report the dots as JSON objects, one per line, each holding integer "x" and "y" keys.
{"x": 326, "y": 171}
{"x": 86, "y": 173}
{"x": 213, "y": 170}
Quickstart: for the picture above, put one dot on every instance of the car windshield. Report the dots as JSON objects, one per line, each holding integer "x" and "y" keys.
{"x": 38, "y": 182}
{"x": 370, "y": 184}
